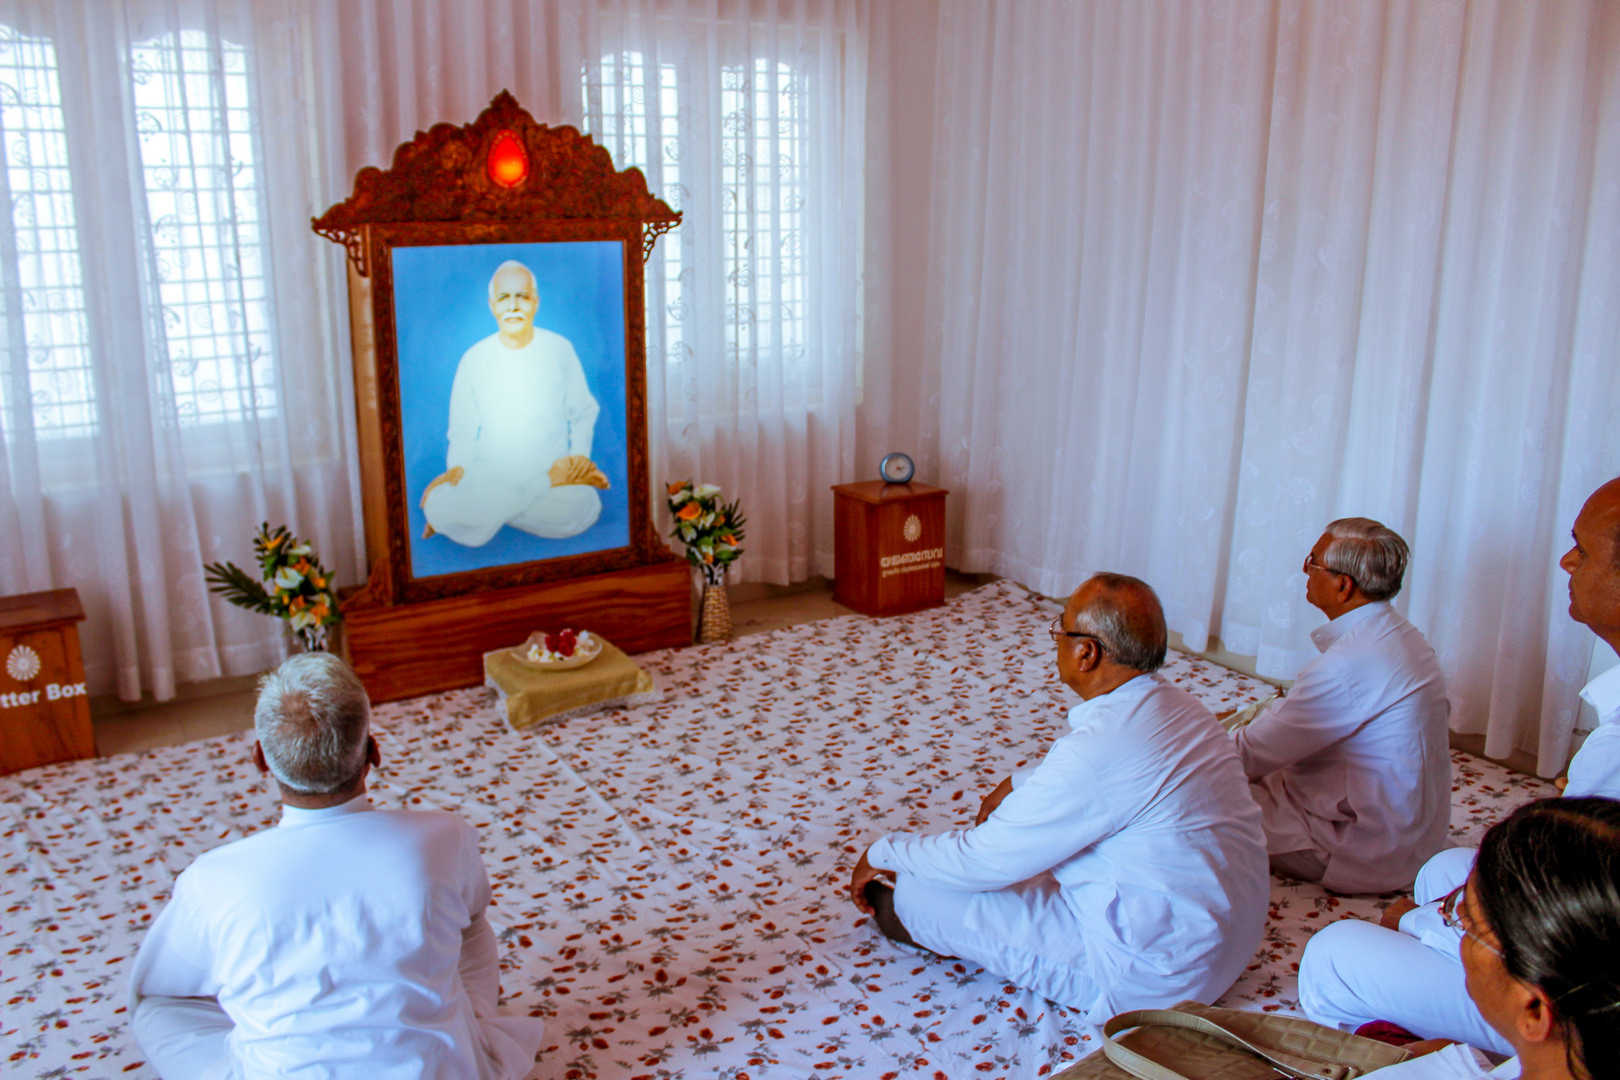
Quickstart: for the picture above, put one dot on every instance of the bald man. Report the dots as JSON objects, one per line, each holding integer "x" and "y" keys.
{"x": 1408, "y": 971}
{"x": 521, "y": 423}
{"x": 1127, "y": 869}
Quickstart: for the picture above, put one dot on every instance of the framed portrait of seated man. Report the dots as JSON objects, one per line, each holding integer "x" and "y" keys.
{"x": 497, "y": 312}
{"x": 513, "y": 404}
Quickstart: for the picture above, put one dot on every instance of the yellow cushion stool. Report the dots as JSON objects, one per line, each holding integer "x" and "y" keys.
{"x": 536, "y": 696}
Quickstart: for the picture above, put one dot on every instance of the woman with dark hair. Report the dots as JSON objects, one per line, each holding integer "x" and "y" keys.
{"x": 1540, "y": 918}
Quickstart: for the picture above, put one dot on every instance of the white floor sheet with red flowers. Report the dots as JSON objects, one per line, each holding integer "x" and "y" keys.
{"x": 669, "y": 879}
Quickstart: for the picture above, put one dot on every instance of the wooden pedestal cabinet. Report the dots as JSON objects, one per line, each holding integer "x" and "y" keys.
{"x": 44, "y": 710}
{"x": 890, "y": 546}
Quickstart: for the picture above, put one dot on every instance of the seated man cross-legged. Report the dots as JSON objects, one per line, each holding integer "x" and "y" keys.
{"x": 1352, "y": 769}
{"x": 1408, "y": 971}
{"x": 346, "y": 941}
{"x": 1126, "y": 869}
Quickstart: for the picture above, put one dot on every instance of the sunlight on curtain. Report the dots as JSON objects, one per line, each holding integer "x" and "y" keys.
{"x": 1219, "y": 273}
{"x": 154, "y": 402}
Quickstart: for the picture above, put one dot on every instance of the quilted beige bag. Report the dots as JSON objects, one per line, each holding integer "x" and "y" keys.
{"x": 1203, "y": 1042}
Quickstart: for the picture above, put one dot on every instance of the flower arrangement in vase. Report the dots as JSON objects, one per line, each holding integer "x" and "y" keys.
{"x": 712, "y": 533}
{"x": 296, "y": 587}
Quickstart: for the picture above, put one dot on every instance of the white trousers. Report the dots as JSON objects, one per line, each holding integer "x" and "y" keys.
{"x": 1354, "y": 972}
{"x": 472, "y": 511}
{"x": 183, "y": 1038}
{"x": 1025, "y": 934}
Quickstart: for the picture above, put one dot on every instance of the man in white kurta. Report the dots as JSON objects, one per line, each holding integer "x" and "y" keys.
{"x": 1408, "y": 971}
{"x": 519, "y": 405}
{"x": 346, "y": 941}
{"x": 1352, "y": 769}
{"x": 1127, "y": 869}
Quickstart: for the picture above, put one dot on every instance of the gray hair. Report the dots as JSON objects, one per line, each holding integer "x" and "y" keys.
{"x": 312, "y": 719}
{"x": 1372, "y": 554}
{"x": 1126, "y": 618}
{"x": 511, "y": 264}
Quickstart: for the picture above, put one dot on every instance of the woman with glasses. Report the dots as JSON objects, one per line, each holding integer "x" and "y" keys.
{"x": 1540, "y": 919}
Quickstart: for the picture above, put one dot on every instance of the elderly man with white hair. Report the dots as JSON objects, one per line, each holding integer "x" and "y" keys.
{"x": 345, "y": 942}
{"x": 521, "y": 423}
{"x": 1352, "y": 769}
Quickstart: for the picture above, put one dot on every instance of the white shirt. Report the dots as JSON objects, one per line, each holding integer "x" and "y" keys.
{"x": 1454, "y": 1062}
{"x": 1142, "y": 815}
{"x": 1595, "y": 768}
{"x": 1356, "y": 758}
{"x": 519, "y": 410}
{"x": 335, "y": 942}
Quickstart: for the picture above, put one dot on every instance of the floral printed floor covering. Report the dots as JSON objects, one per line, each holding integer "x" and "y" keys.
{"x": 669, "y": 879}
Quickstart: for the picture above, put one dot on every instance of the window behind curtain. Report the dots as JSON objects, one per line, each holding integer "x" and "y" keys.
{"x": 761, "y": 174}
{"x": 45, "y": 376}
{"x": 640, "y": 125}
{"x": 763, "y": 148}
{"x": 192, "y": 111}
{"x": 200, "y": 239}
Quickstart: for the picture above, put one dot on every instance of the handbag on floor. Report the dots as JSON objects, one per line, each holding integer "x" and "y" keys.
{"x": 1204, "y": 1042}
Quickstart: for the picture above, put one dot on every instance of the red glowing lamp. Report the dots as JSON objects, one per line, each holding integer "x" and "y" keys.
{"x": 508, "y": 163}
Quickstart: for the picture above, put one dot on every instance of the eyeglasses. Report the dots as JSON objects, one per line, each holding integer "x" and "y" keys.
{"x": 1057, "y": 632}
{"x": 1312, "y": 564}
{"x": 1451, "y": 914}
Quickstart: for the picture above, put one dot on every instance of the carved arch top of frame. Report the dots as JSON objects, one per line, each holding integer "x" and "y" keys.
{"x": 443, "y": 174}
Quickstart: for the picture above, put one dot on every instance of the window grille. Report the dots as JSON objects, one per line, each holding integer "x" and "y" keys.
{"x": 46, "y": 381}
{"x": 192, "y": 107}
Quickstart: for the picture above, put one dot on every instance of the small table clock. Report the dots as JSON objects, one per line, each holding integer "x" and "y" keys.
{"x": 896, "y": 468}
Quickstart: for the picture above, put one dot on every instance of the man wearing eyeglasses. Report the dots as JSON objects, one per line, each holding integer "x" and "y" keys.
{"x": 1352, "y": 769}
{"x": 1407, "y": 971}
{"x": 1126, "y": 869}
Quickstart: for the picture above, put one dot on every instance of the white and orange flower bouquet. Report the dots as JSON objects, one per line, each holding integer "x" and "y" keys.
{"x": 710, "y": 530}
{"x": 296, "y": 587}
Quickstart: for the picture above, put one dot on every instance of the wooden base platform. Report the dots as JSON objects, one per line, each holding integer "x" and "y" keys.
{"x": 402, "y": 650}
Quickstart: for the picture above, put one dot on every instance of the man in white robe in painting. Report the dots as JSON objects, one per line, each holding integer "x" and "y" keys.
{"x": 1127, "y": 869}
{"x": 346, "y": 941}
{"x": 521, "y": 422}
{"x": 1407, "y": 968}
{"x": 1352, "y": 768}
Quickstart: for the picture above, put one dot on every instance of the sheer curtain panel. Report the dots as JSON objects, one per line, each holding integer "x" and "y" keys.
{"x": 168, "y": 375}
{"x": 1217, "y": 273}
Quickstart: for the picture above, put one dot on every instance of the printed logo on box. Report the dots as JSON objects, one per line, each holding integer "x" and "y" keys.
{"x": 23, "y": 663}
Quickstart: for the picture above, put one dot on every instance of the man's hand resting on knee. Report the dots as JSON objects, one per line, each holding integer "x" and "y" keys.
{"x": 449, "y": 476}
{"x": 864, "y": 874}
{"x": 988, "y": 805}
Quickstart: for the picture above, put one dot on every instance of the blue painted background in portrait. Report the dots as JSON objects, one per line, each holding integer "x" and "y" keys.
{"x": 441, "y": 308}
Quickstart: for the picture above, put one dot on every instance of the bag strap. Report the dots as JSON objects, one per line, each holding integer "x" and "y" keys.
{"x": 1145, "y": 1068}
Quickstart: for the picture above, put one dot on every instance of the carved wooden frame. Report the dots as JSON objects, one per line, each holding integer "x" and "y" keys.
{"x": 442, "y": 190}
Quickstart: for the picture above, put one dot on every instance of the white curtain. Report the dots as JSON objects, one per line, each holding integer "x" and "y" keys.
{"x": 746, "y": 115}
{"x": 1204, "y": 276}
{"x": 168, "y": 375}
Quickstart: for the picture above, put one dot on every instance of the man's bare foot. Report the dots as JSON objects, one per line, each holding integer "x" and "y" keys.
{"x": 427, "y": 531}
{"x": 1391, "y": 918}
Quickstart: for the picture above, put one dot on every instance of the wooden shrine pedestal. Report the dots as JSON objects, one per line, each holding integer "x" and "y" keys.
{"x": 402, "y": 650}
{"x": 889, "y": 546}
{"x": 44, "y": 707}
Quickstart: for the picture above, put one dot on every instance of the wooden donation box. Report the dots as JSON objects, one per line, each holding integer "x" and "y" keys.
{"x": 890, "y": 546}
{"x": 44, "y": 709}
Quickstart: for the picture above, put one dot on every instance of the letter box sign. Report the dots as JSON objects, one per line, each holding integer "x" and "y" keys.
{"x": 44, "y": 704}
